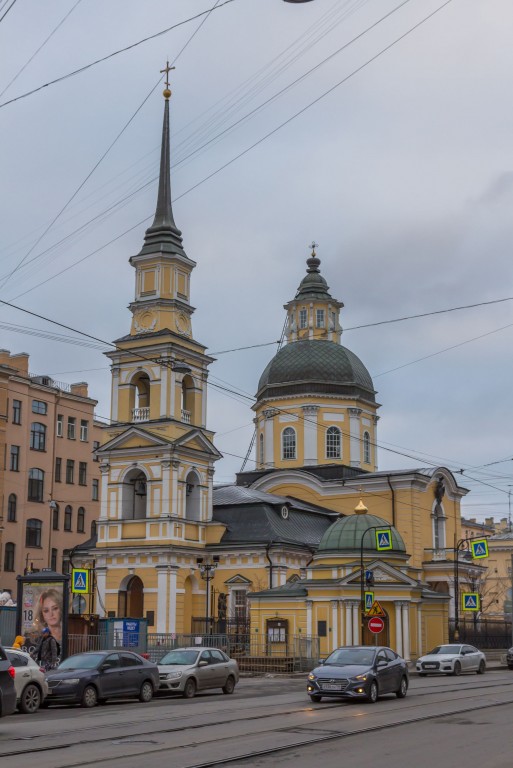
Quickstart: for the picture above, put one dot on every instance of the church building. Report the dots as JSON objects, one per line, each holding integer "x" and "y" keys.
{"x": 280, "y": 552}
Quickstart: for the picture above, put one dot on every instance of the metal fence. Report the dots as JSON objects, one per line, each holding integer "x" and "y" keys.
{"x": 255, "y": 654}
{"x": 486, "y": 634}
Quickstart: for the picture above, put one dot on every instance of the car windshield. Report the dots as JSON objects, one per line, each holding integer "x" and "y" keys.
{"x": 444, "y": 649}
{"x": 359, "y": 656}
{"x": 82, "y": 661}
{"x": 180, "y": 657}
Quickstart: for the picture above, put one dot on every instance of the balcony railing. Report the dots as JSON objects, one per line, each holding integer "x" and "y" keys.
{"x": 186, "y": 416}
{"x": 140, "y": 414}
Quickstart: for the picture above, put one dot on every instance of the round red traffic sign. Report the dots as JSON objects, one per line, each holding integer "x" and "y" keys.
{"x": 376, "y": 625}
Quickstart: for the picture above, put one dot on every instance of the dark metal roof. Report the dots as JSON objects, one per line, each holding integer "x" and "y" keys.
{"x": 314, "y": 365}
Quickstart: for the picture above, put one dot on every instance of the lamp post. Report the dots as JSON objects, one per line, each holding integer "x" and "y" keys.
{"x": 459, "y": 546}
{"x": 207, "y": 569}
{"x": 53, "y": 507}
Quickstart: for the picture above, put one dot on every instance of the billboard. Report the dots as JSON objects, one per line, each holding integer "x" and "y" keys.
{"x": 42, "y": 617}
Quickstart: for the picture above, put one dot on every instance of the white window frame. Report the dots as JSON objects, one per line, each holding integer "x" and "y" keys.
{"x": 60, "y": 425}
{"x": 331, "y": 452}
{"x": 319, "y": 318}
{"x": 288, "y": 432}
{"x": 366, "y": 448}
{"x": 84, "y": 430}
{"x": 303, "y": 318}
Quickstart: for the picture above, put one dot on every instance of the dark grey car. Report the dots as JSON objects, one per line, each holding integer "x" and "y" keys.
{"x": 359, "y": 672}
{"x": 92, "y": 678}
{"x": 7, "y": 689}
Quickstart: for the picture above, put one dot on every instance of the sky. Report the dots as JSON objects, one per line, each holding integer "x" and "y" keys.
{"x": 388, "y": 141}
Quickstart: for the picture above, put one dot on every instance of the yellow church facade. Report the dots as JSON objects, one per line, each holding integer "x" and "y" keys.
{"x": 280, "y": 552}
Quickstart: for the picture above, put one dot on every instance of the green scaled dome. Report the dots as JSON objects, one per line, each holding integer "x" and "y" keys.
{"x": 346, "y": 535}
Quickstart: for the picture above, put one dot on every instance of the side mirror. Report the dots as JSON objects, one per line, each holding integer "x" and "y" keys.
{"x": 321, "y": 662}
{"x": 203, "y": 663}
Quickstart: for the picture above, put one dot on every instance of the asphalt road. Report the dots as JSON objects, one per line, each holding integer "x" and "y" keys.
{"x": 443, "y": 722}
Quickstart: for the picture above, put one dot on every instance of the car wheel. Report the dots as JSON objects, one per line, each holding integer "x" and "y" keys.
{"x": 457, "y": 668}
{"x": 373, "y": 693}
{"x": 189, "y": 689}
{"x": 403, "y": 689}
{"x": 510, "y": 666}
{"x": 229, "y": 686}
{"x": 89, "y": 697}
{"x": 482, "y": 667}
{"x": 315, "y": 698}
{"x": 146, "y": 692}
{"x": 30, "y": 699}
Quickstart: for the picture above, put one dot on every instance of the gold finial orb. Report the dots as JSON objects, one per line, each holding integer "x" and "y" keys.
{"x": 360, "y": 508}
{"x": 166, "y": 93}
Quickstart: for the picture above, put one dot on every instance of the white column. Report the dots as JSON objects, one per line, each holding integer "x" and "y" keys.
{"x": 104, "y": 493}
{"x": 173, "y": 570}
{"x": 269, "y": 437}
{"x": 420, "y": 648}
{"x": 398, "y": 630}
{"x": 308, "y": 617}
{"x": 355, "y": 449}
{"x": 375, "y": 441}
{"x": 164, "y": 384}
{"x": 406, "y": 631}
{"x": 349, "y": 623}
{"x": 172, "y": 395}
{"x": 452, "y": 608}
{"x": 174, "y": 488}
{"x": 310, "y": 415}
{"x": 162, "y": 582}
{"x": 356, "y": 624}
{"x": 204, "y": 391}
{"x": 165, "y": 505}
{"x": 101, "y": 581}
{"x": 334, "y": 624}
{"x": 114, "y": 395}
{"x": 210, "y": 503}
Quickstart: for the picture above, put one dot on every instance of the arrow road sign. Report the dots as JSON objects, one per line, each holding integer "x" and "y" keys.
{"x": 479, "y": 548}
{"x": 383, "y": 539}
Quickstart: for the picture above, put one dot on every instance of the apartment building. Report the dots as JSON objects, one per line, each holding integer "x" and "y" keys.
{"x": 49, "y": 477}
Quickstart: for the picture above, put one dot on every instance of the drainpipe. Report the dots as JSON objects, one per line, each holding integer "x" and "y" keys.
{"x": 270, "y": 564}
{"x": 393, "y": 500}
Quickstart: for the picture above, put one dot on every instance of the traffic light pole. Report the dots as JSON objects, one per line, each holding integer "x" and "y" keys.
{"x": 362, "y": 581}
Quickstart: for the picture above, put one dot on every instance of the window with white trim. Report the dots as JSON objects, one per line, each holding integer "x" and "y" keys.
{"x": 288, "y": 441}
{"x": 303, "y": 318}
{"x": 333, "y": 443}
{"x": 261, "y": 449}
{"x": 319, "y": 318}
{"x": 366, "y": 448}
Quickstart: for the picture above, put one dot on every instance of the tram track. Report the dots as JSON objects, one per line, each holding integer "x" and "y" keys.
{"x": 139, "y": 737}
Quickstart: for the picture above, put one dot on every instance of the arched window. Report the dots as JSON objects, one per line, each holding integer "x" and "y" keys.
{"x": 289, "y": 443}
{"x": 11, "y": 508}
{"x": 10, "y": 550}
{"x": 366, "y": 448}
{"x": 192, "y": 497}
{"x": 438, "y": 527}
{"x": 134, "y": 495}
{"x": 55, "y": 517}
{"x": 261, "y": 449}
{"x": 140, "y": 397}
{"x": 37, "y": 436}
{"x": 68, "y": 515}
{"x": 33, "y": 533}
{"x": 333, "y": 443}
{"x": 187, "y": 401}
{"x": 81, "y": 520}
{"x": 36, "y": 480}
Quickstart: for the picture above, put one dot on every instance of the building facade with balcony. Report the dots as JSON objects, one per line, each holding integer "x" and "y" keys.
{"x": 49, "y": 482}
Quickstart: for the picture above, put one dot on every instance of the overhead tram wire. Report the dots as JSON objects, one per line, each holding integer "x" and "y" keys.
{"x": 115, "y": 53}
{"x": 7, "y": 11}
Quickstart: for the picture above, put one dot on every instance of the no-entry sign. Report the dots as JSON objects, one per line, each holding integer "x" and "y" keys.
{"x": 376, "y": 625}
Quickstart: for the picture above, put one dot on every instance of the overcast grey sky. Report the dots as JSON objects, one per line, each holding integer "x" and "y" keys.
{"x": 403, "y": 174}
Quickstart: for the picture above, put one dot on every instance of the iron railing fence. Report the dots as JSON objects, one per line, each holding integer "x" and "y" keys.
{"x": 255, "y": 654}
{"x": 485, "y": 634}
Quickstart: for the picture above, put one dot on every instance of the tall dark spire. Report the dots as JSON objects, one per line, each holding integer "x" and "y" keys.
{"x": 164, "y": 235}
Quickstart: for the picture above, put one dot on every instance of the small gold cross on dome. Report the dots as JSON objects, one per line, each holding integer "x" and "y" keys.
{"x": 313, "y": 245}
{"x": 167, "y": 69}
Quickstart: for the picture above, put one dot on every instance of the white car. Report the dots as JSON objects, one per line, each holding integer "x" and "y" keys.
{"x": 29, "y": 681}
{"x": 187, "y": 670}
{"x": 452, "y": 659}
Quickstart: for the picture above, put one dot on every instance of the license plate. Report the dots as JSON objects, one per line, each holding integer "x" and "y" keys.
{"x": 330, "y": 687}
{"x": 429, "y": 666}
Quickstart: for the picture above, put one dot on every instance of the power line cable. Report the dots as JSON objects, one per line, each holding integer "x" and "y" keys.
{"x": 115, "y": 53}
{"x": 7, "y": 11}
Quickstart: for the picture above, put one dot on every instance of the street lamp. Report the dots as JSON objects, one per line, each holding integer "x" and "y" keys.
{"x": 207, "y": 569}
{"x": 53, "y": 507}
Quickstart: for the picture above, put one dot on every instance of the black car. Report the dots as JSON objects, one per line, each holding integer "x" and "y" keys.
{"x": 7, "y": 689}
{"x": 92, "y": 678}
{"x": 359, "y": 672}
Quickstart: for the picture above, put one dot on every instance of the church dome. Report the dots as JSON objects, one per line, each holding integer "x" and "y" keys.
{"x": 316, "y": 367}
{"x": 346, "y": 535}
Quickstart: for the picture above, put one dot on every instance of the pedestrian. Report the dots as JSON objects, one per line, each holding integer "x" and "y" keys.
{"x": 19, "y": 642}
{"x": 47, "y": 653}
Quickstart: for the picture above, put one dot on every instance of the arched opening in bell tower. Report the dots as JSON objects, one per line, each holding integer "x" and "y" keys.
{"x": 134, "y": 495}
{"x": 140, "y": 397}
{"x": 192, "y": 497}
{"x": 131, "y": 598}
{"x": 187, "y": 400}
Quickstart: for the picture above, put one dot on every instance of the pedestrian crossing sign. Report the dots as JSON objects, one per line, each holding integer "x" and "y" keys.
{"x": 471, "y": 601}
{"x": 80, "y": 581}
{"x": 376, "y": 610}
{"x": 479, "y": 548}
{"x": 383, "y": 539}
{"x": 369, "y": 601}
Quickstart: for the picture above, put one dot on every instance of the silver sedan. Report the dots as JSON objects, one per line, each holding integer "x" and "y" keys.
{"x": 187, "y": 670}
{"x": 452, "y": 659}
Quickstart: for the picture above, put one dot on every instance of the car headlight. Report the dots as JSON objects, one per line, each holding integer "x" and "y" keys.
{"x": 173, "y": 675}
{"x": 360, "y": 677}
{"x": 71, "y": 681}
{"x": 311, "y": 676}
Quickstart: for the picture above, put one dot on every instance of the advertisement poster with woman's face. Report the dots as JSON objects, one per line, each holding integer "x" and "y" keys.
{"x": 42, "y": 610}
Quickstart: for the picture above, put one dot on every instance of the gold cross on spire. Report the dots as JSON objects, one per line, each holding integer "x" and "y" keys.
{"x": 313, "y": 245}
{"x": 167, "y": 69}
